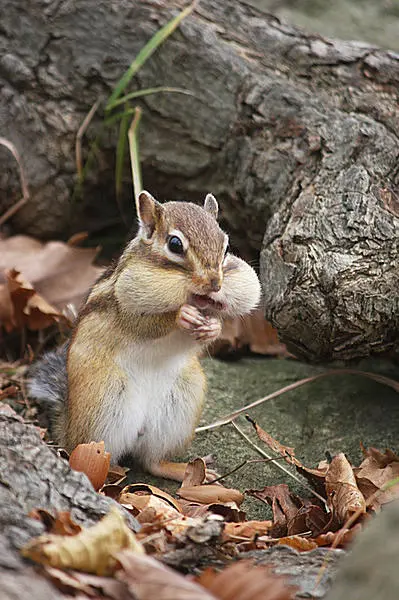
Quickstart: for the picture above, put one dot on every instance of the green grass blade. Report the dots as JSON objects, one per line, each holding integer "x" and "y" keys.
{"x": 149, "y": 92}
{"x": 120, "y": 153}
{"x": 134, "y": 154}
{"x": 389, "y": 484}
{"x": 117, "y": 116}
{"x": 157, "y": 39}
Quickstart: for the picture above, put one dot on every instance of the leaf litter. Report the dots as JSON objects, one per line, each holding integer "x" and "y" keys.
{"x": 181, "y": 532}
{"x": 39, "y": 280}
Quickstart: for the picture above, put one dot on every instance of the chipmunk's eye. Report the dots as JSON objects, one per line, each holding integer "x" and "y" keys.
{"x": 175, "y": 245}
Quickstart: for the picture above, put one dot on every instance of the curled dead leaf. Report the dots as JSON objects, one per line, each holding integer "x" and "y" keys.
{"x": 342, "y": 536}
{"x": 93, "y": 460}
{"x": 298, "y": 542}
{"x": 147, "y": 579}
{"x": 116, "y": 474}
{"x": 144, "y": 489}
{"x": 92, "y": 550}
{"x": 229, "y": 511}
{"x": 376, "y": 471}
{"x": 22, "y": 306}
{"x": 8, "y": 392}
{"x": 316, "y": 477}
{"x": 60, "y": 273}
{"x": 210, "y": 494}
{"x": 61, "y": 524}
{"x": 195, "y": 473}
{"x": 248, "y": 529}
{"x": 285, "y": 506}
{"x": 342, "y": 491}
{"x": 244, "y": 581}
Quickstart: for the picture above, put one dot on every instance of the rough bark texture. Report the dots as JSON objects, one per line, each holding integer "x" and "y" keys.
{"x": 33, "y": 476}
{"x": 370, "y": 571}
{"x": 296, "y": 135}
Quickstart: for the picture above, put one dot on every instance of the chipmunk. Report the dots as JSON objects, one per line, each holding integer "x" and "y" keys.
{"x": 130, "y": 375}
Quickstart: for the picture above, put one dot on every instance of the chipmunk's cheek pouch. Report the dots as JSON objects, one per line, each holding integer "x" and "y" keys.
{"x": 241, "y": 287}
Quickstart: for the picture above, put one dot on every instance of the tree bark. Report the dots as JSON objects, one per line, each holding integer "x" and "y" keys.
{"x": 296, "y": 135}
{"x": 32, "y": 476}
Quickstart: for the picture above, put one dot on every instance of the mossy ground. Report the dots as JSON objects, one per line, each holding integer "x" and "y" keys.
{"x": 330, "y": 415}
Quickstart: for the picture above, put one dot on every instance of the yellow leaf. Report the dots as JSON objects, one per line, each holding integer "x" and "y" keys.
{"x": 92, "y": 550}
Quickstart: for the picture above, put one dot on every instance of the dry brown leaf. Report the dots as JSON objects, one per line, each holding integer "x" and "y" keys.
{"x": 345, "y": 536}
{"x": 61, "y": 524}
{"x": 251, "y": 331}
{"x": 155, "y": 508}
{"x": 144, "y": 489}
{"x": 112, "y": 490}
{"x": 244, "y": 581}
{"x": 73, "y": 582}
{"x": 248, "y": 529}
{"x": 210, "y": 494}
{"x": 316, "y": 477}
{"x": 92, "y": 550}
{"x": 229, "y": 511}
{"x": 308, "y": 518}
{"x": 67, "y": 582}
{"x": 147, "y": 579}
{"x": 195, "y": 473}
{"x": 285, "y": 506}
{"x": 60, "y": 273}
{"x": 116, "y": 474}
{"x": 7, "y": 392}
{"x": 382, "y": 459}
{"x": 298, "y": 542}
{"x": 93, "y": 460}
{"x": 344, "y": 496}
{"x": 23, "y": 306}
{"x": 377, "y": 470}
{"x": 143, "y": 502}
{"x": 65, "y": 525}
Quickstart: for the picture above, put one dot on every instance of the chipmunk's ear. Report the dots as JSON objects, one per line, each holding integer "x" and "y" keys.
{"x": 149, "y": 212}
{"x": 211, "y": 205}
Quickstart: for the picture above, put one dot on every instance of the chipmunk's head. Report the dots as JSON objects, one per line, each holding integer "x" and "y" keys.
{"x": 186, "y": 258}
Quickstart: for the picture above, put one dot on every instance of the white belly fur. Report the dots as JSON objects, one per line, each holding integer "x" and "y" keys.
{"x": 148, "y": 420}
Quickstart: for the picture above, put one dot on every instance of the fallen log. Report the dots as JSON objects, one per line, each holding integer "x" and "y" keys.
{"x": 296, "y": 135}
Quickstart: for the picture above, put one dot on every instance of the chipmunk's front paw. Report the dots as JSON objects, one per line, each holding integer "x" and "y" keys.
{"x": 204, "y": 329}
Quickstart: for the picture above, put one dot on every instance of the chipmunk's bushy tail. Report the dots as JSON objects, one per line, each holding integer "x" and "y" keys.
{"x": 47, "y": 379}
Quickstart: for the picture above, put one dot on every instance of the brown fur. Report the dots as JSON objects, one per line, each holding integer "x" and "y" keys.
{"x": 137, "y": 299}
{"x": 201, "y": 229}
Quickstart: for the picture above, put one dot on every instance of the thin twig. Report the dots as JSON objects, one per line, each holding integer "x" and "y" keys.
{"x": 81, "y": 131}
{"x": 292, "y": 386}
{"x": 24, "y": 186}
{"x": 281, "y": 467}
{"x": 264, "y": 538}
{"x": 241, "y": 465}
{"x": 12, "y": 210}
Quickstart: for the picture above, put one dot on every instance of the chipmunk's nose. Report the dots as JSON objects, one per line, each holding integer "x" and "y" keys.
{"x": 215, "y": 284}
